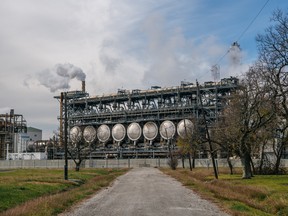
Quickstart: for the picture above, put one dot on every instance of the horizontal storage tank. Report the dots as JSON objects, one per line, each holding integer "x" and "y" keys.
{"x": 185, "y": 128}
{"x": 118, "y": 132}
{"x": 134, "y": 131}
{"x": 103, "y": 133}
{"x": 150, "y": 130}
{"x": 89, "y": 134}
{"x": 167, "y": 129}
{"x": 75, "y": 134}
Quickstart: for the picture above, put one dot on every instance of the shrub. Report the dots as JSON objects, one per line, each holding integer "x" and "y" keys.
{"x": 172, "y": 162}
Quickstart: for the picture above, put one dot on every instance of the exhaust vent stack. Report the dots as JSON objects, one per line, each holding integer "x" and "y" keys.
{"x": 83, "y": 86}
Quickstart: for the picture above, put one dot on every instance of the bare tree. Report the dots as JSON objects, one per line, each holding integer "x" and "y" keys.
{"x": 249, "y": 110}
{"x": 223, "y": 134}
{"x": 78, "y": 152}
{"x": 189, "y": 145}
{"x": 273, "y": 59}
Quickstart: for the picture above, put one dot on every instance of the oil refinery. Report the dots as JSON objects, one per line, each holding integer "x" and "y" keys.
{"x": 139, "y": 123}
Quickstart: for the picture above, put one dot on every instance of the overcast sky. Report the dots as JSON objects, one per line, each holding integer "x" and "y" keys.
{"x": 118, "y": 44}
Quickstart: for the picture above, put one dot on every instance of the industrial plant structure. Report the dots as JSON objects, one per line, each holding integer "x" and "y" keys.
{"x": 17, "y": 141}
{"x": 13, "y": 129}
{"x": 139, "y": 122}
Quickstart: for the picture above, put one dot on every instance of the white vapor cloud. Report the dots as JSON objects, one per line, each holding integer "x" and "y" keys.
{"x": 58, "y": 77}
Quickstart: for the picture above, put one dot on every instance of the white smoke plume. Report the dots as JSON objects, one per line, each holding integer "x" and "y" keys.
{"x": 109, "y": 62}
{"x": 109, "y": 56}
{"x": 59, "y": 76}
{"x": 235, "y": 66}
{"x": 235, "y": 54}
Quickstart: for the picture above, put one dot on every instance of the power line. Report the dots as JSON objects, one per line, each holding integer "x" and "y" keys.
{"x": 252, "y": 21}
{"x": 245, "y": 30}
{"x": 220, "y": 59}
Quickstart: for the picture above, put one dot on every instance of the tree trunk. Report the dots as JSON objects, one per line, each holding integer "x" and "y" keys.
{"x": 230, "y": 165}
{"x": 246, "y": 163}
{"x": 252, "y": 166}
{"x": 190, "y": 164}
{"x": 261, "y": 161}
{"x": 183, "y": 160}
{"x": 78, "y": 164}
{"x": 278, "y": 162}
{"x": 278, "y": 153}
{"x": 77, "y": 168}
{"x": 193, "y": 159}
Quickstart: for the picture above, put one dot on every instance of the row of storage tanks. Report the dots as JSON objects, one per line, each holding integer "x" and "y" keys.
{"x": 134, "y": 131}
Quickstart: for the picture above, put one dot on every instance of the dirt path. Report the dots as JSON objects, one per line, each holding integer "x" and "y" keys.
{"x": 145, "y": 191}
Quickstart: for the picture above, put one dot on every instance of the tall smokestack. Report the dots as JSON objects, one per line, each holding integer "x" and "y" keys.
{"x": 12, "y": 112}
{"x": 83, "y": 86}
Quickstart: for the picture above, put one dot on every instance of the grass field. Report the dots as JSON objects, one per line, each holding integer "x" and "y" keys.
{"x": 45, "y": 192}
{"x": 261, "y": 195}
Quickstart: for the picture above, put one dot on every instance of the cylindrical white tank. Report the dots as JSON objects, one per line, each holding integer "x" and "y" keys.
{"x": 167, "y": 129}
{"x": 103, "y": 133}
{"x": 185, "y": 128}
{"x": 134, "y": 131}
{"x": 118, "y": 132}
{"x": 150, "y": 130}
{"x": 89, "y": 134}
{"x": 75, "y": 134}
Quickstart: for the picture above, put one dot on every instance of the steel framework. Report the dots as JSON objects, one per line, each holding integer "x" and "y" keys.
{"x": 10, "y": 124}
{"x": 156, "y": 104}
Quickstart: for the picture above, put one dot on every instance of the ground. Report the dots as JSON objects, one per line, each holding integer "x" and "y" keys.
{"x": 145, "y": 191}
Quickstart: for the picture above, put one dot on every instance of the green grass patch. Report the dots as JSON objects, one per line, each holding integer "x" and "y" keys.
{"x": 261, "y": 195}
{"x": 240, "y": 207}
{"x": 45, "y": 192}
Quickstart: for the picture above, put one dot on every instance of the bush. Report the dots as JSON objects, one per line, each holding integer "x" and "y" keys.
{"x": 173, "y": 162}
{"x": 268, "y": 168}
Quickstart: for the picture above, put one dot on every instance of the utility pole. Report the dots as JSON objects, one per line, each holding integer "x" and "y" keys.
{"x": 207, "y": 133}
{"x": 65, "y": 137}
{"x": 190, "y": 145}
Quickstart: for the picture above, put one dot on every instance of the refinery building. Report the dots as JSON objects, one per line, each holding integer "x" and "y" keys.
{"x": 139, "y": 123}
{"x": 16, "y": 137}
{"x": 128, "y": 123}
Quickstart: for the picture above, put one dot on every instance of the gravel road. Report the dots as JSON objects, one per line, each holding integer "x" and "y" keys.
{"x": 145, "y": 191}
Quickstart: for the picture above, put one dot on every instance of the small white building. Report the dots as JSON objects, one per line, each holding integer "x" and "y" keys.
{"x": 20, "y": 142}
{"x": 34, "y": 134}
{"x": 27, "y": 156}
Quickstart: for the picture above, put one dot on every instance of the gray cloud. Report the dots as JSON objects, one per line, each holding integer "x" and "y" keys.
{"x": 110, "y": 63}
{"x": 173, "y": 57}
{"x": 129, "y": 44}
{"x": 109, "y": 56}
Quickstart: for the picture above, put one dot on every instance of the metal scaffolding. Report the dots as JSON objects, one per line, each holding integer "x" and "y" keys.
{"x": 10, "y": 124}
{"x": 156, "y": 104}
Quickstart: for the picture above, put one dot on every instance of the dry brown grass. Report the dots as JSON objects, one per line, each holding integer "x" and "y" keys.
{"x": 57, "y": 203}
{"x": 257, "y": 196}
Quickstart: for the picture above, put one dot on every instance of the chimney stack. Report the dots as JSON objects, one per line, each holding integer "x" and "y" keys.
{"x": 83, "y": 86}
